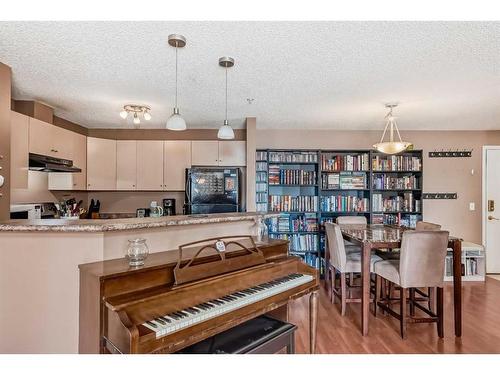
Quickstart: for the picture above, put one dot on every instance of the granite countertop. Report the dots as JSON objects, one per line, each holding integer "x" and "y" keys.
{"x": 100, "y": 225}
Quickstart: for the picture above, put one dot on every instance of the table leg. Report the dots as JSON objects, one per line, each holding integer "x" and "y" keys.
{"x": 365, "y": 290}
{"x": 457, "y": 286}
{"x": 313, "y": 320}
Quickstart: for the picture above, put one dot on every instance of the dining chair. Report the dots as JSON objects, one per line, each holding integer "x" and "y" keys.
{"x": 342, "y": 262}
{"x": 349, "y": 246}
{"x": 421, "y": 265}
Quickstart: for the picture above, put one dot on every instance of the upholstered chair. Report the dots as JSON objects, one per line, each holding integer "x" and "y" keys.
{"x": 421, "y": 265}
{"x": 341, "y": 262}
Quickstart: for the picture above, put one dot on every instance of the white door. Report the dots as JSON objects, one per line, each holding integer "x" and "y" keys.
{"x": 492, "y": 208}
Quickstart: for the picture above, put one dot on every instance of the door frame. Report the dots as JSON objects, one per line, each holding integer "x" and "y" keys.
{"x": 484, "y": 198}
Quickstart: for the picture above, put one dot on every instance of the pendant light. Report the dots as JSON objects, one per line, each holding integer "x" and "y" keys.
{"x": 176, "y": 122}
{"x": 226, "y": 131}
{"x": 391, "y": 147}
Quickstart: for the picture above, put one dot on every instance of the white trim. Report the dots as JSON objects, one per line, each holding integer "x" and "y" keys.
{"x": 484, "y": 199}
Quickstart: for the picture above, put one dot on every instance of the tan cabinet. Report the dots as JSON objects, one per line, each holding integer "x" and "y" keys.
{"x": 177, "y": 157}
{"x": 150, "y": 165}
{"x": 73, "y": 181}
{"x": 205, "y": 153}
{"x": 50, "y": 140}
{"x": 126, "y": 165}
{"x": 232, "y": 153}
{"x": 101, "y": 164}
{"x": 19, "y": 138}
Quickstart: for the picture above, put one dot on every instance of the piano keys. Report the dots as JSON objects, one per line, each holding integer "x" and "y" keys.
{"x": 168, "y": 304}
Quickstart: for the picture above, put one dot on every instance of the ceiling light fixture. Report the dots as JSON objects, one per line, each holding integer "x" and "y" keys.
{"x": 176, "y": 122}
{"x": 391, "y": 147}
{"x": 226, "y": 131}
{"x": 135, "y": 110}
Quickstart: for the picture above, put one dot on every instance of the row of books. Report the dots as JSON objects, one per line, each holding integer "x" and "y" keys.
{"x": 469, "y": 268}
{"x": 293, "y": 203}
{"x": 401, "y": 219}
{"x": 314, "y": 261}
{"x": 261, "y": 207}
{"x": 261, "y": 197}
{"x": 345, "y": 163}
{"x": 293, "y": 156}
{"x": 285, "y": 223}
{"x": 279, "y": 176}
{"x": 261, "y": 166}
{"x": 405, "y": 203}
{"x": 354, "y": 180}
{"x": 261, "y": 187}
{"x": 387, "y": 181}
{"x": 396, "y": 163}
{"x": 299, "y": 242}
{"x": 261, "y": 156}
{"x": 261, "y": 176}
{"x": 343, "y": 203}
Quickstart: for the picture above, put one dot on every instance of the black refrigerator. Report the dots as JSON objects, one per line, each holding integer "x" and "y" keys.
{"x": 212, "y": 190}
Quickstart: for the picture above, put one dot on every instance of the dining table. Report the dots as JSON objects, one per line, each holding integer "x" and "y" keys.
{"x": 381, "y": 236}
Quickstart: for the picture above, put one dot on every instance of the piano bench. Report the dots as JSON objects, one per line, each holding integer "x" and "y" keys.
{"x": 262, "y": 335}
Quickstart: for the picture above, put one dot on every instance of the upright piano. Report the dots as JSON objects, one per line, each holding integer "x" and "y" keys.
{"x": 183, "y": 296}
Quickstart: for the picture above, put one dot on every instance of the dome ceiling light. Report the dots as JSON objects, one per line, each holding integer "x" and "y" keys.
{"x": 226, "y": 131}
{"x": 391, "y": 147}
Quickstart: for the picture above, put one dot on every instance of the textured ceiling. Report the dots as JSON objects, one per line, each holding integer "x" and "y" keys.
{"x": 337, "y": 75}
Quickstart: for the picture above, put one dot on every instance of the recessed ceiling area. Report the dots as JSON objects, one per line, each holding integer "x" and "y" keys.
{"x": 298, "y": 75}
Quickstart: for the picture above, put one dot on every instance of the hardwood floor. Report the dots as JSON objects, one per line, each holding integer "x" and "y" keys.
{"x": 337, "y": 334}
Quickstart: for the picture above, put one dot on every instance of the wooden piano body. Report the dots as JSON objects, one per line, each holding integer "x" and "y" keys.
{"x": 115, "y": 299}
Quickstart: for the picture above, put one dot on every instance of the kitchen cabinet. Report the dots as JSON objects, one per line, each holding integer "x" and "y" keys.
{"x": 73, "y": 181}
{"x": 177, "y": 157}
{"x": 150, "y": 165}
{"x": 232, "y": 153}
{"x": 101, "y": 164}
{"x": 205, "y": 153}
{"x": 50, "y": 140}
{"x": 126, "y": 165}
{"x": 19, "y": 138}
{"x": 218, "y": 153}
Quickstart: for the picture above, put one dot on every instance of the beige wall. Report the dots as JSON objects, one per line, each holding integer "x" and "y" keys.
{"x": 440, "y": 174}
{"x": 5, "y": 97}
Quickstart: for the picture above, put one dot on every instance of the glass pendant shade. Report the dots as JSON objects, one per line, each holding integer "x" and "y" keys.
{"x": 392, "y": 146}
{"x": 147, "y": 116}
{"x": 176, "y": 122}
{"x": 123, "y": 114}
{"x": 225, "y": 131}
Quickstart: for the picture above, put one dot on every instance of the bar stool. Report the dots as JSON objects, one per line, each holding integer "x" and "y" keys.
{"x": 350, "y": 247}
{"x": 343, "y": 263}
{"x": 421, "y": 265}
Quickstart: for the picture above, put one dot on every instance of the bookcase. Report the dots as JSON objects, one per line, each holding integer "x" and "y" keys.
{"x": 473, "y": 263}
{"x": 311, "y": 187}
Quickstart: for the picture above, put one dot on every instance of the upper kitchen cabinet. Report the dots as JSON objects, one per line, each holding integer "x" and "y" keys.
{"x": 77, "y": 180}
{"x": 177, "y": 156}
{"x": 205, "y": 153}
{"x": 232, "y": 153}
{"x": 150, "y": 165}
{"x": 50, "y": 140}
{"x": 101, "y": 164}
{"x": 19, "y": 136}
{"x": 126, "y": 165}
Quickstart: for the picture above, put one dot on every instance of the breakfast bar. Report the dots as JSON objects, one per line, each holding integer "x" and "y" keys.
{"x": 39, "y": 272}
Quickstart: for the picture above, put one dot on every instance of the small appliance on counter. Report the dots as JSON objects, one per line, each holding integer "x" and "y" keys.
{"x": 169, "y": 207}
{"x": 155, "y": 210}
{"x": 33, "y": 211}
{"x": 212, "y": 190}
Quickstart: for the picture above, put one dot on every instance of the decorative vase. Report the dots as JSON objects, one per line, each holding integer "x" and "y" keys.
{"x": 137, "y": 252}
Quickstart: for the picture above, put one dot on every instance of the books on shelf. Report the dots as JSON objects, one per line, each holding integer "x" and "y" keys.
{"x": 396, "y": 163}
{"x": 344, "y": 203}
{"x": 278, "y": 176}
{"x": 261, "y": 155}
{"x": 261, "y": 207}
{"x": 261, "y": 187}
{"x": 300, "y": 223}
{"x": 313, "y": 260}
{"x": 388, "y": 182}
{"x": 469, "y": 266}
{"x": 403, "y": 219}
{"x": 299, "y": 242}
{"x": 337, "y": 163}
{"x": 404, "y": 203}
{"x": 261, "y": 197}
{"x": 260, "y": 176}
{"x": 346, "y": 181}
{"x": 261, "y": 166}
{"x": 293, "y": 156}
{"x": 293, "y": 203}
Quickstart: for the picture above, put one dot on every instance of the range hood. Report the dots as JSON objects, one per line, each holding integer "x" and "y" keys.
{"x": 44, "y": 163}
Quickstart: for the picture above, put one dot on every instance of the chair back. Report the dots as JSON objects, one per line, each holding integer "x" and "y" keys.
{"x": 422, "y": 258}
{"x": 424, "y": 225}
{"x": 336, "y": 248}
{"x": 351, "y": 220}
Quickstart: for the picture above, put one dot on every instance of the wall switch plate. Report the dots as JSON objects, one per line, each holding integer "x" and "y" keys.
{"x": 472, "y": 206}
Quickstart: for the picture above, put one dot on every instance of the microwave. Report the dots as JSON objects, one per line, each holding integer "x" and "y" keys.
{"x": 33, "y": 211}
